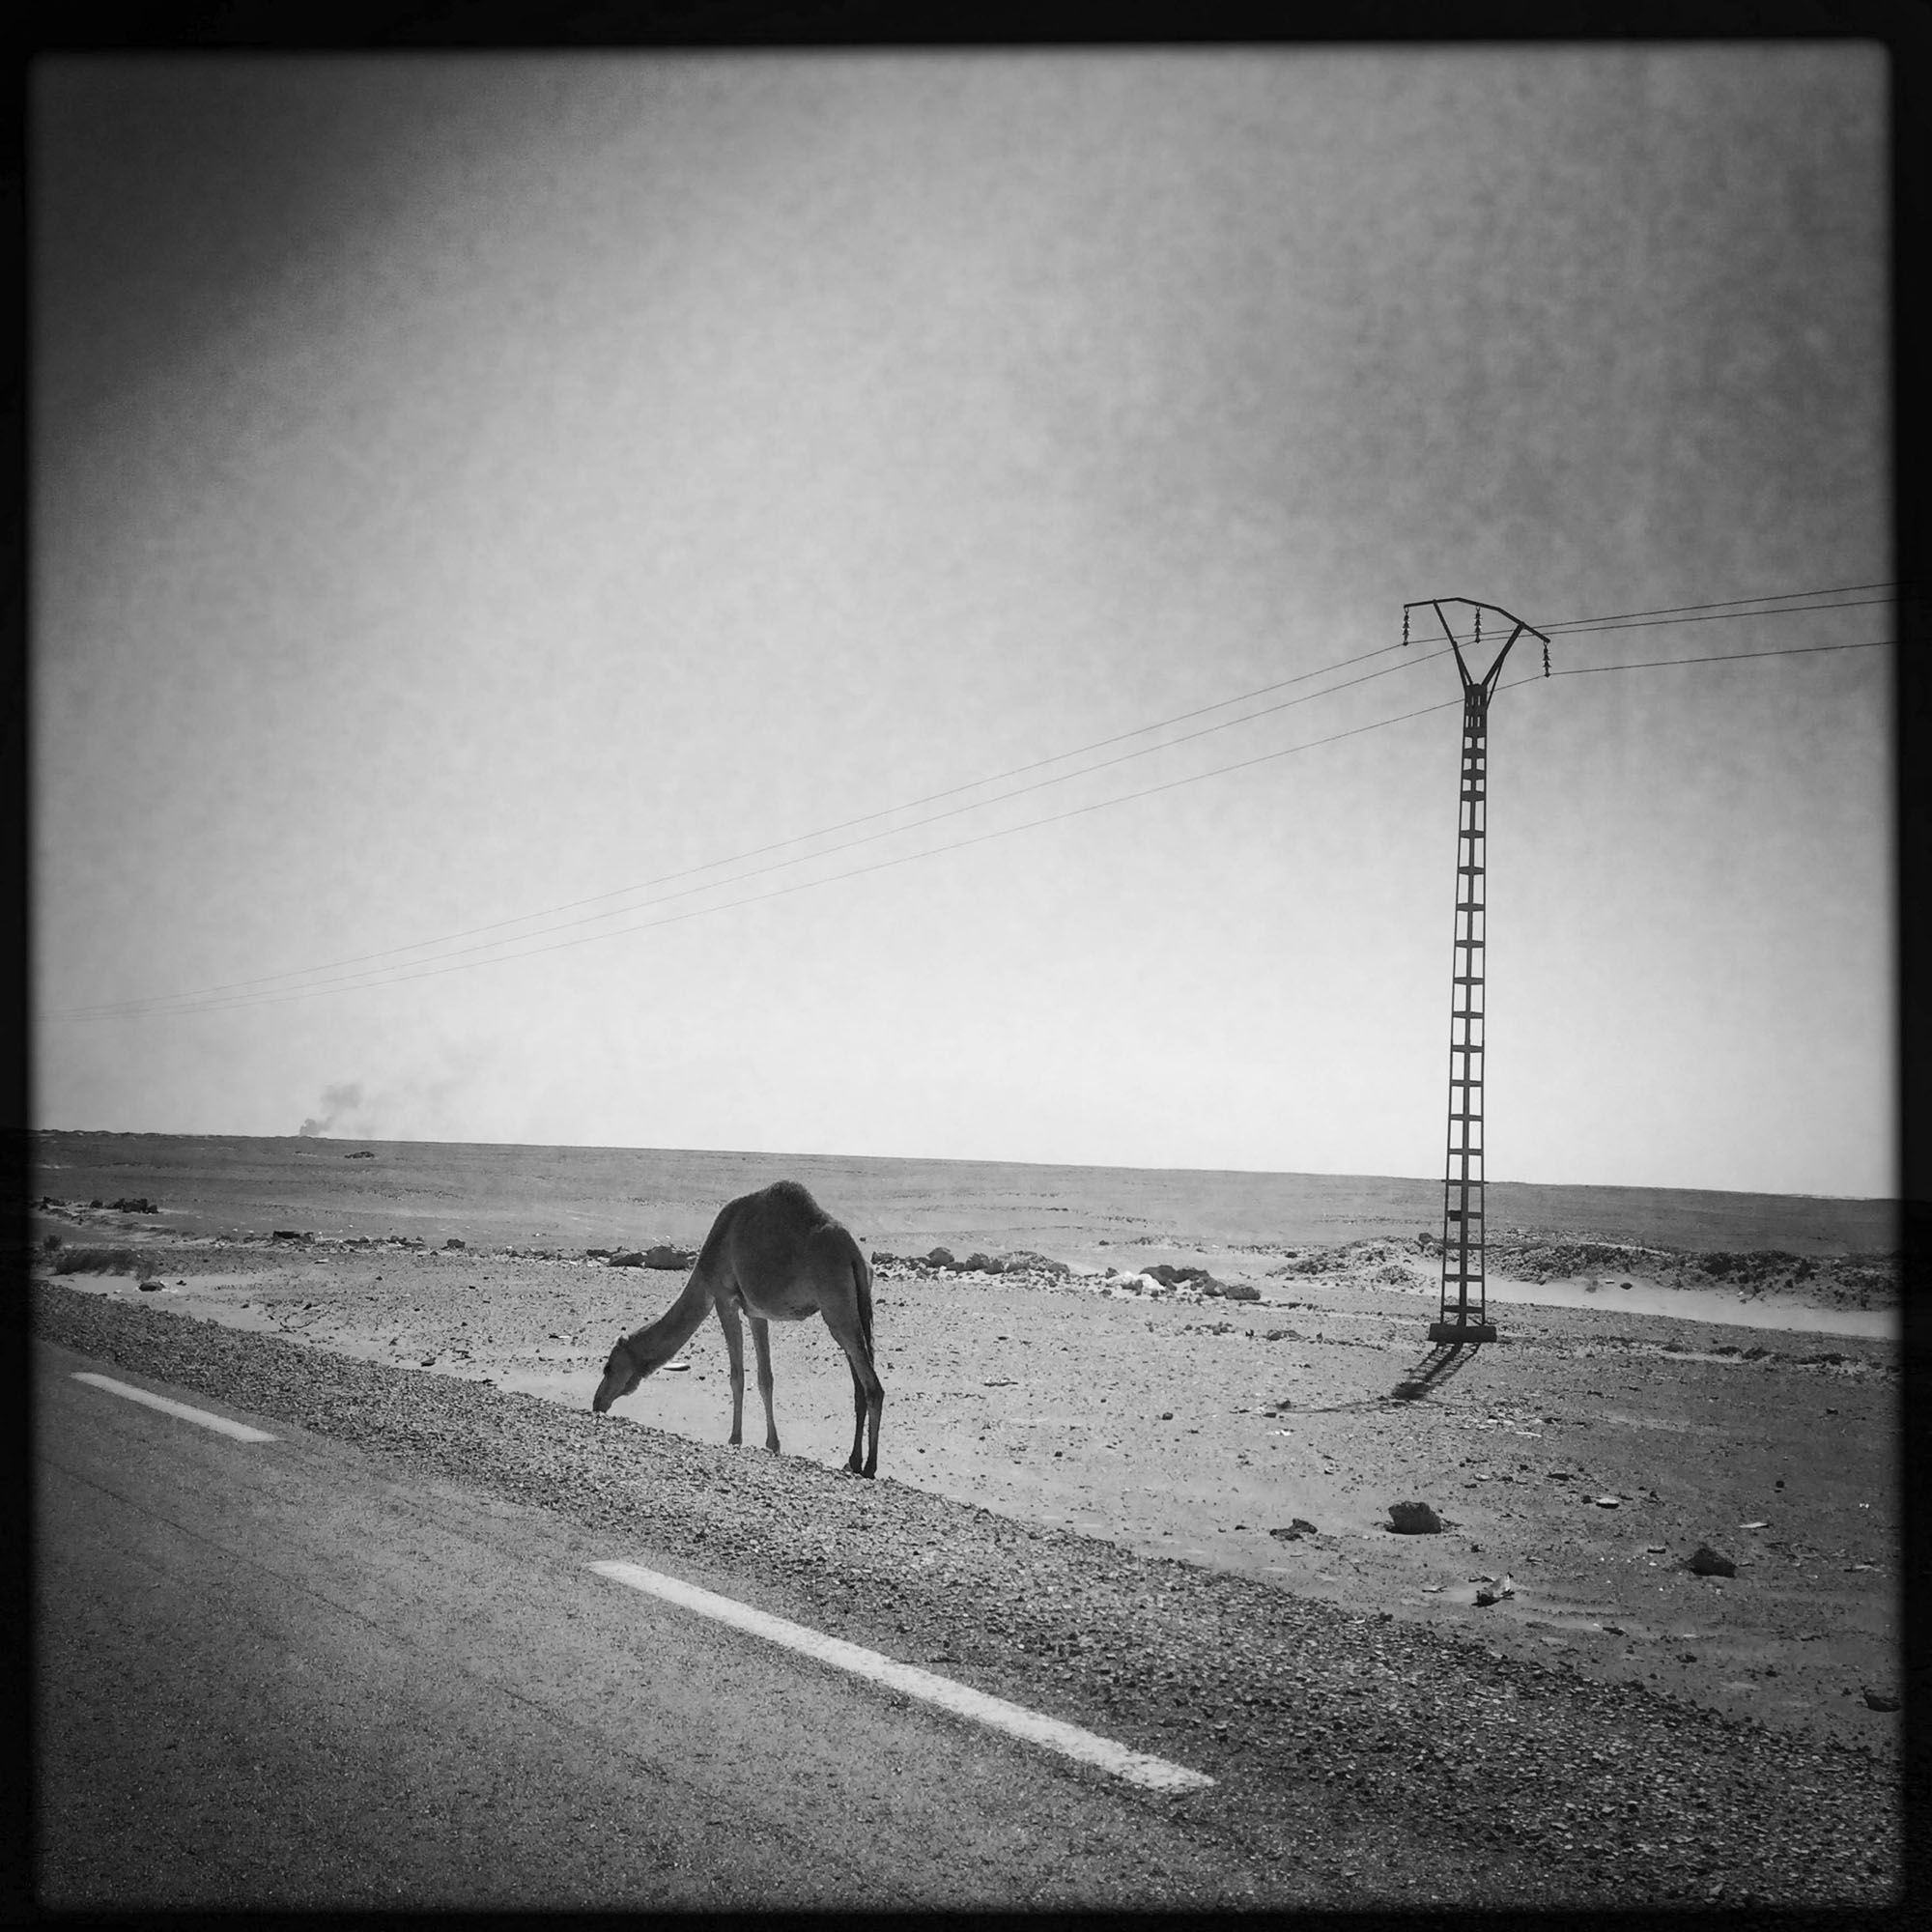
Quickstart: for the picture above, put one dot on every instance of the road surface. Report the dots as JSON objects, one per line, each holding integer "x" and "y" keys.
{"x": 277, "y": 1673}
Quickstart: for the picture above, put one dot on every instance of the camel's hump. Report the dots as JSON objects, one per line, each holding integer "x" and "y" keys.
{"x": 791, "y": 1198}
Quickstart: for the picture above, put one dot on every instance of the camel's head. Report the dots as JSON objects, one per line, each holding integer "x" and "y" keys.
{"x": 622, "y": 1373}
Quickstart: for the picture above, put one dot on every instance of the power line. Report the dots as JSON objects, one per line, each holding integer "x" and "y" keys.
{"x": 1636, "y": 623}
{"x": 434, "y": 969}
{"x": 371, "y": 978}
{"x": 1687, "y": 613}
{"x": 238, "y": 992}
{"x": 1725, "y": 604}
{"x": 162, "y": 1003}
{"x": 826, "y": 831}
{"x": 165, "y": 1002}
{"x": 1721, "y": 656}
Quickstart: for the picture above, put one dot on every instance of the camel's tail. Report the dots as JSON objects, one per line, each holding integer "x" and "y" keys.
{"x": 861, "y": 1275}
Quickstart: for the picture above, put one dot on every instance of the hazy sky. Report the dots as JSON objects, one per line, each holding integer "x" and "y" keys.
{"x": 468, "y": 487}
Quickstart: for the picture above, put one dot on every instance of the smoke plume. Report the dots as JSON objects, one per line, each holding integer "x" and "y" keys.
{"x": 343, "y": 1098}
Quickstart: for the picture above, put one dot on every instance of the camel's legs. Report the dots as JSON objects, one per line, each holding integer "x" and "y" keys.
{"x": 761, "y": 1341}
{"x": 868, "y": 1392}
{"x": 735, "y": 1347}
{"x": 858, "y": 1408}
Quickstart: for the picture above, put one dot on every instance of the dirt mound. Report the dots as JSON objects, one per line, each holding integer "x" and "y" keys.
{"x": 1869, "y": 1281}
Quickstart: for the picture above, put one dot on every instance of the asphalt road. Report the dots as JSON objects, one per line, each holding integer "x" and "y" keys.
{"x": 279, "y": 1674}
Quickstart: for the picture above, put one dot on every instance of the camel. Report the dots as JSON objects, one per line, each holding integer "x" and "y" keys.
{"x": 777, "y": 1256}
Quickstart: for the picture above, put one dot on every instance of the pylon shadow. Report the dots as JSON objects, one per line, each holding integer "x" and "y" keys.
{"x": 1442, "y": 1363}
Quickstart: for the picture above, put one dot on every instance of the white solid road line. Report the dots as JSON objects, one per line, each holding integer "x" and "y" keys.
{"x": 1157, "y": 1773}
{"x": 240, "y": 1431}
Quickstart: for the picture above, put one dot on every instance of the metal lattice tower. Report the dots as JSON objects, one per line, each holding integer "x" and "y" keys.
{"x": 1462, "y": 1314}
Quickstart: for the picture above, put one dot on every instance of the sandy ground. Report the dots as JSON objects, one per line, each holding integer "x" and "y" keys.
{"x": 1582, "y": 1458}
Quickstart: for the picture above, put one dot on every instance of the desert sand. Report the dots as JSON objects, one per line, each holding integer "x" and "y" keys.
{"x": 1750, "y": 1405}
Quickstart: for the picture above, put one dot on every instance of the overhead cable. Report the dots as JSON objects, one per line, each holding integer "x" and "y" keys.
{"x": 1687, "y": 613}
{"x": 371, "y": 978}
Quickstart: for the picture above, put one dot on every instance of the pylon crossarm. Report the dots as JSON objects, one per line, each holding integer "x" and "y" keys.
{"x": 1436, "y": 603}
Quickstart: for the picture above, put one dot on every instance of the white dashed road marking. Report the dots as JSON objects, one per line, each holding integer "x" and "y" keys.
{"x": 1155, "y": 1774}
{"x": 240, "y": 1431}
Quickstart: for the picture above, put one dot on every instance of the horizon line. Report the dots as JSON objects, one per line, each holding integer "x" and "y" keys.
{"x": 971, "y": 1160}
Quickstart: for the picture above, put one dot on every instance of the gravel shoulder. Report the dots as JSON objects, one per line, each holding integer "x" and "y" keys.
{"x": 1131, "y": 1581}
{"x": 1581, "y": 1460}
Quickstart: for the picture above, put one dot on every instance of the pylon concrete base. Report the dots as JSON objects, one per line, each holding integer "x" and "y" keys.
{"x": 1461, "y": 1331}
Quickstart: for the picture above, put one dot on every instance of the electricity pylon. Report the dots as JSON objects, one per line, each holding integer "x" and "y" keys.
{"x": 1462, "y": 1313}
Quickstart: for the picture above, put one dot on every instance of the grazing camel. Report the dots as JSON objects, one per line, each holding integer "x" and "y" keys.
{"x": 778, "y": 1256}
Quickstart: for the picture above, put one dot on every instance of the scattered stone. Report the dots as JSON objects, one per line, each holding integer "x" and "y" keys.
{"x": 1707, "y": 1562}
{"x": 984, "y": 1263}
{"x": 453, "y": 1243}
{"x": 676, "y": 1368}
{"x": 365, "y": 1154}
{"x": 1877, "y": 1700}
{"x": 134, "y": 1204}
{"x": 1414, "y": 1519}
{"x": 280, "y": 1234}
{"x": 1171, "y": 1276}
{"x": 150, "y": 1286}
{"x": 1608, "y": 1502}
{"x": 663, "y": 1256}
{"x": 1295, "y": 1530}
{"x": 942, "y": 1258}
{"x": 635, "y": 1259}
{"x": 1038, "y": 1263}
{"x": 1242, "y": 1291}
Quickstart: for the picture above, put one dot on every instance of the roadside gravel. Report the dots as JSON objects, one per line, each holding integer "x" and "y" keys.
{"x": 1374, "y": 1760}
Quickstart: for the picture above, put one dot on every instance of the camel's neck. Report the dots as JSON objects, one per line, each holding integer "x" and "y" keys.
{"x": 657, "y": 1341}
